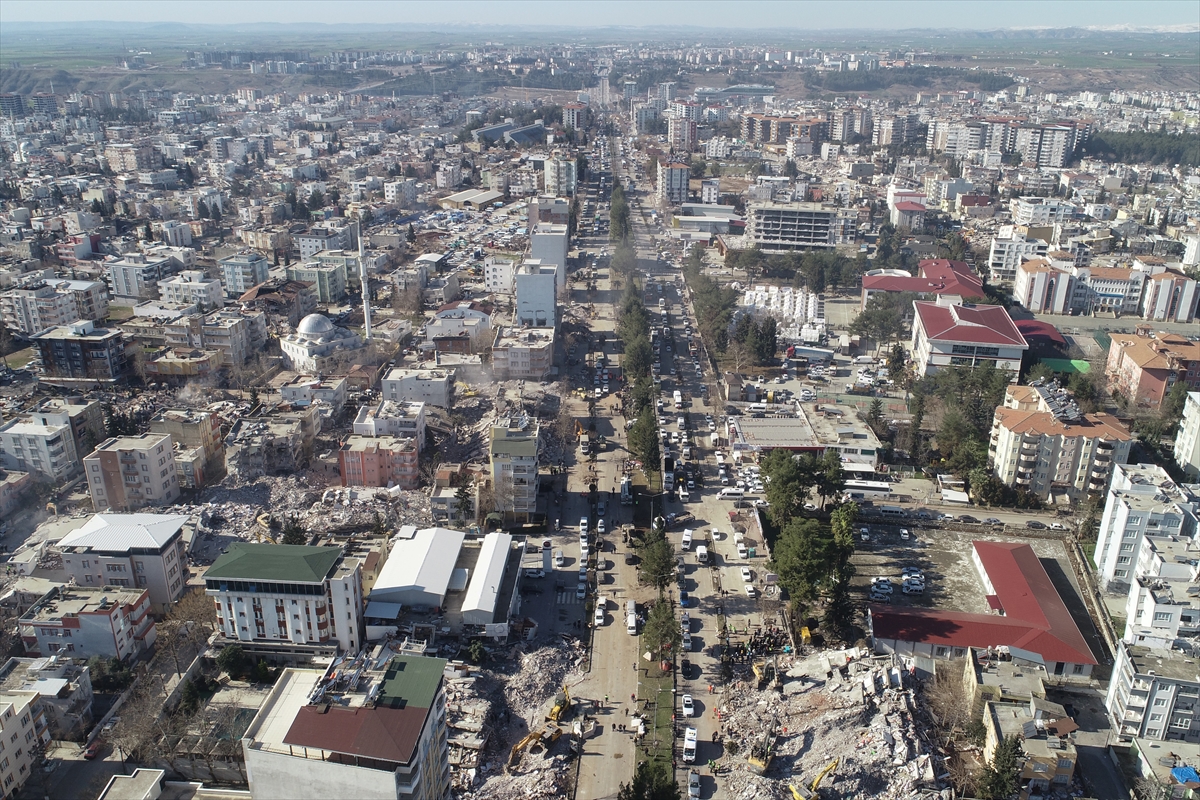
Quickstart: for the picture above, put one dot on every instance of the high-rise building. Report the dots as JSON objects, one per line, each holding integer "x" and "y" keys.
{"x": 777, "y": 227}
{"x": 129, "y": 472}
{"x": 243, "y": 271}
{"x": 673, "y": 175}
{"x": 514, "y": 459}
{"x": 1187, "y": 440}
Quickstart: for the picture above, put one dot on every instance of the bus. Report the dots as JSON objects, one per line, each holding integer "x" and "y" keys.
{"x": 868, "y": 490}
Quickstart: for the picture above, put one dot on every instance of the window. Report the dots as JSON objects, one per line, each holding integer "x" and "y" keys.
{"x": 1162, "y": 616}
{"x": 1065, "y": 763}
{"x": 1160, "y": 702}
{"x": 1156, "y": 717}
{"x": 1077, "y": 669}
{"x": 1123, "y": 559}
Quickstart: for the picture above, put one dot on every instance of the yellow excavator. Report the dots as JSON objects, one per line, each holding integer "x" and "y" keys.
{"x": 761, "y": 753}
{"x": 545, "y": 737}
{"x": 810, "y": 791}
{"x": 561, "y": 703}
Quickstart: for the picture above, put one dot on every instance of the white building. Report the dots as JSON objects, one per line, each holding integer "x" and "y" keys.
{"x": 244, "y": 271}
{"x": 33, "y": 309}
{"x": 523, "y": 353}
{"x": 514, "y": 459}
{"x": 1041, "y": 211}
{"x": 324, "y": 237}
{"x": 1142, "y": 500}
{"x": 462, "y": 318}
{"x": 560, "y": 176}
{"x": 498, "y": 271}
{"x": 479, "y": 602}
{"x": 130, "y": 550}
{"x": 710, "y": 191}
{"x": 24, "y": 730}
{"x": 673, "y": 176}
{"x": 128, "y": 472}
{"x": 306, "y": 390}
{"x": 432, "y": 386}
{"x": 401, "y": 190}
{"x": 1162, "y": 604}
{"x": 176, "y": 233}
{"x": 135, "y": 276}
{"x": 405, "y": 419}
{"x": 289, "y": 595}
{"x": 1042, "y": 442}
{"x": 549, "y": 243}
{"x": 87, "y": 621}
{"x": 47, "y": 451}
{"x": 536, "y": 285}
{"x": 1187, "y": 440}
{"x": 318, "y": 345}
{"x": 1153, "y": 694}
{"x": 947, "y": 333}
{"x": 419, "y": 569}
{"x": 1008, "y": 249}
{"x": 192, "y": 287}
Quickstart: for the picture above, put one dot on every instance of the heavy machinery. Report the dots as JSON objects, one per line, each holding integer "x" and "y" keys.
{"x": 767, "y": 674}
{"x": 761, "y": 753}
{"x": 809, "y": 792}
{"x": 544, "y": 738}
{"x": 562, "y": 702}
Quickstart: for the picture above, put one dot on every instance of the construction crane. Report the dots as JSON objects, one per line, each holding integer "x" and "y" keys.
{"x": 810, "y": 791}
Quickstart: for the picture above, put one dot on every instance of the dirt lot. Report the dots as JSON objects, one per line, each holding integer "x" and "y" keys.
{"x": 950, "y": 577}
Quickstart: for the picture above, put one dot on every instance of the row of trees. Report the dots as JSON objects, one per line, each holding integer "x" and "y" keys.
{"x": 754, "y": 341}
{"x": 713, "y": 303}
{"x": 816, "y": 269}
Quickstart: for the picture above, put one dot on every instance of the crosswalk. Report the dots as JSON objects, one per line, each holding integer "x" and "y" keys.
{"x": 568, "y": 598}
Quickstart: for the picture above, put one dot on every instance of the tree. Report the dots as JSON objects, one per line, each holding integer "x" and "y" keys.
{"x": 875, "y": 415}
{"x": 998, "y": 780}
{"x": 830, "y": 477}
{"x": 658, "y": 560}
{"x": 788, "y": 486}
{"x": 896, "y": 358}
{"x": 798, "y": 559}
{"x": 662, "y": 634}
{"x": 465, "y": 501}
{"x": 643, "y": 440}
{"x": 651, "y": 781}
{"x": 316, "y": 200}
{"x": 232, "y": 660}
{"x": 638, "y": 358}
{"x": 293, "y": 531}
{"x": 697, "y": 168}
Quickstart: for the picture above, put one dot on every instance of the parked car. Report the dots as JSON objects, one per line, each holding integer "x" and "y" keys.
{"x": 1035, "y": 525}
{"x": 1057, "y": 526}
{"x": 992, "y": 521}
{"x": 904, "y": 534}
{"x": 93, "y": 750}
{"x": 913, "y": 588}
{"x": 911, "y": 572}
{"x": 689, "y": 707}
{"x": 746, "y": 576}
{"x": 751, "y": 591}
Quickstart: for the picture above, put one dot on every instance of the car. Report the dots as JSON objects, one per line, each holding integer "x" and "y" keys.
{"x": 601, "y": 606}
{"x": 911, "y": 572}
{"x": 581, "y": 592}
{"x": 601, "y": 507}
{"x": 689, "y": 707}
{"x": 913, "y": 588}
{"x": 93, "y": 750}
{"x": 1035, "y": 525}
{"x": 864, "y": 534}
{"x": 946, "y": 517}
{"x": 880, "y": 597}
{"x": 746, "y": 576}
{"x": 992, "y": 521}
{"x": 885, "y": 588}
{"x": 1057, "y": 526}
{"x": 969, "y": 519}
{"x": 600, "y": 526}
{"x": 904, "y": 534}
{"x": 693, "y": 784}
{"x": 751, "y": 591}
{"x": 583, "y": 525}
{"x": 924, "y": 515}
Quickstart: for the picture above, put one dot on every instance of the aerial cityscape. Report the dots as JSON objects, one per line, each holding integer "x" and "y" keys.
{"x": 607, "y": 400}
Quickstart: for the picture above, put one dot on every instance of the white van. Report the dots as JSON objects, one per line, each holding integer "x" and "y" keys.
{"x": 631, "y": 624}
{"x": 630, "y": 608}
{"x": 756, "y": 407}
{"x": 689, "y": 745}
{"x": 601, "y": 607}
{"x": 560, "y": 560}
{"x": 702, "y": 554}
{"x": 731, "y": 493}
{"x": 684, "y": 496}
{"x": 686, "y": 542}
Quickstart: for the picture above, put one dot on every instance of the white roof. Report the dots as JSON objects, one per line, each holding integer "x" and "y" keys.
{"x": 381, "y": 610}
{"x": 484, "y": 589}
{"x": 423, "y": 562}
{"x": 124, "y": 532}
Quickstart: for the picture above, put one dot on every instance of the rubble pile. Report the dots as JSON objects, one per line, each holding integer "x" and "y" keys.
{"x": 535, "y": 677}
{"x": 845, "y": 705}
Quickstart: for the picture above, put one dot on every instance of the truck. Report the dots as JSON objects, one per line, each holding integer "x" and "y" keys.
{"x": 585, "y": 444}
{"x": 627, "y": 491}
{"x": 668, "y": 474}
{"x": 678, "y": 398}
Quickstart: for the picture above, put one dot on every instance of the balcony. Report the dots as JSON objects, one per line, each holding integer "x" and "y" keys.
{"x": 1028, "y": 458}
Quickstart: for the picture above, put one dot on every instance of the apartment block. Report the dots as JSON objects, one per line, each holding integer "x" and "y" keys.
{"x": 432, "y": 386}
{"x": 779, "y": 227}
{"x": 87, "y": 621}
{"x": 1162, "y": 604}
{"x": 313, "y": 739}
{"x": 278, "y": 444}
{"x": 1187, "y": 440}
{"x": 1142, "y": 501}
{"x": 1041, "y": 211}
{"x": 192, "y": 287}
{"x": 523, "y": 353}
{"x": 381, "y": 461}
{"x": 404, "y": 419}
{"x": 24, "y": 731}
{"x": 35, "y": 308}
{"x": 135, "y": 276}
{"x": 84, "y": 415}
{"x": 236, "y": 333}
{"x": 514, "y": 459}
{"x": 128, "y": 472}
{"x": 1044, "y": 288}
{"x": 46, "y": 451}
{"x": 328, "y": 280}
{"x": 673, "y": 176}
{"x": 1144, "y": 367}
{"x": 306, "y": 390}
{"x": 1042, "y": 442}
{"x": 1154, "y": 694}
{"x": 1008, "y": 249}
{"x": 320, "y": 238}
{"x": 69, "y": 709}
{"x": 143, "y": 551}
{"x": 535, "y": 286}
{"x": 80, "y": 354}
{"x": 190, "y": 430}
{"x": 288, "y": 596}
{"x": 548, "y": 244}
{"x": 243, "y": 271}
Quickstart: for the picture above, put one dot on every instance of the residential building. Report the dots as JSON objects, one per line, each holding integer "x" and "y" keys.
{"x": 552, "y": 210}
{"x": 1187, "y": 440}
{"x": 523, "y": 353}
{"x": 548, "y": 244}
{"x": 575, "y": 116}
{"x": 1145, "y": 367}
{"x": 462, "y": 318}
{"x": 327, "y": 279}
{"x": 498, "y": 271}
{"x": 190, "y": 429}
{"x": 1009, "y": 248}
{"x": 674, "y": 172}
{"x": 45, "y": 450}
{"x": 292, "y": 300}
{"x": 130, "y": 157}
{"x": 243, "y": 271}
{"x": 277, "y": 444}
{"x": 129, "y": 550}
{"x": 1029, "y": 616}
{"x": 381, "y": 736}
{"x": 779, "y": 227}
{"x": 80, "y": 354}
{"x": 318, "y": 346}
{"x": 1041, "y": 442}
{"x": 283, "y": 596}
{"x": 948, "y": 334}
{"x": 514, "y": 459}
{"x": 710, "y": 191}
{"x": 560, "y": 176}
{"x": 324, "y": 237}
{"x": 13, "y": 488}
{"x": 1043, "y": 728}
{"x": 135, "y": 276}
{"x": 1170, "y": 296}
{"x": 193, "y": 287}
{"x": 1162, "y": 604}
{"x": 64, "y": 688}
{"x": 536, "y": 285}
{"x": 87, "y": 621}
{"x": 84, "y": 415}
{"x": 24, "y": 731}
{"x": 381, "y": 461}
{"x": 1142, "y": 500}
{"x": 304, "y": 390}
{"x": 432, "y": 386}
{"x": 236, "y": 333}
{"x": 128, "y": 472}
{"x": 35, "y": 308}
{"x": 908, "y": 215}
{"x": 1153, "y": 694}
{"x": 403, "y": 419}
{"x": 1041, "y": 211}
{"x": 681, "y": 133}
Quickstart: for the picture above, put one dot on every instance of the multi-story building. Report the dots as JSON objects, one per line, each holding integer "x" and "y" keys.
{"x": 1048, "y": 753}
{"x": 1154, "y": 693}
{"x": 1142, "y": 500}
{"x": 292, "y": 300}
{"x": 33, "y": 309}
{"x": 560, "y": 176}
{"x": 80, "y": 354}
{"x": 1042, "y": 442}
{"x": 284, "y": 597}
{"x": 381, "y": 461}
{"x": 947, "y": 333}
{"x": 128, "y": 157}
{"x": 1170, "y": 296}
{"x": 144, "y": 551}
{"x": 575, "y": 115}
{"x": 305, "y": 390}
{"x": 190, "y": 429}
{"x": 535, "y": 285}
{"x": 1041, "y": 211}
{"x": 192, "y": 287}
{"x": 548, "y": 244}
{"x": 278, "y": 444}
{"x": 313, "y": 739}
{"x": 243, "y": 271}
{"x": 1042, "y": 287}
{"x": 778, "y": 227}
{"x": 328, "y": 280}
{"x": 1162, "y": 604}
{"x": 46, "y": 450}
{"x": 682, "y": 133}
{"x": 674, "y": 172}
{"x": 135, "y": 276}
{"x": 1187, "y": 440}
{"x": 432, "y": 386}
{"x": 498, "y": 271}
{"x": 1144, "y": 368}
{"x": 69, "y": 709}
{"x": 514, "y": 459}
{"x": 128, "y": 472}
{"x": 523, "y": 353}
{"x": 24, "y": 731}
{"x": 1112, "y": 289}
{"x": 1008, "y": 249}
{"x": 87, "y": 621}
{"x": 324, "y": 237}
{"x": 404, "y": 419}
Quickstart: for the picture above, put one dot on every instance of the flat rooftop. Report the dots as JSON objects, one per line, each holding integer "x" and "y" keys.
{"x": 1173, "y": 664}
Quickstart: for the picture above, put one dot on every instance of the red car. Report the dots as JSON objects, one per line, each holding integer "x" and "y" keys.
{"x": 93, "y": 750}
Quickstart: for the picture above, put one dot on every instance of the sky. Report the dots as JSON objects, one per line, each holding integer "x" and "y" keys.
{"x": 810, "y": 15}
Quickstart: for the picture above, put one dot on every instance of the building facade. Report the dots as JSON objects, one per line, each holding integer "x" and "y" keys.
{"x": 243, "y": 271}
{"x": 432, "y": 386}
{"x": 778, "y": 227}
{"x": 45, "y": 450}
{"x": 514, "y": 459}
{"x": 144, "y": 551}
{"x": 947, "y": 334}
{"x": 129, "y": 472}
{"x": 1144, "y": 368}
{"x": 192, "y": 287}
{"x": 380, "y": 461}
{"x": 1187, "y": 440}
{"x": 87, "y": 621}
{"x": 80, "y": 354}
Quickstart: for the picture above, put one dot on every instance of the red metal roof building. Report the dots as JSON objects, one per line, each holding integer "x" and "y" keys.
{"x": 1030, "y": 617}
{"x": 949, "y": 334}
{"x": 936, "y": 277}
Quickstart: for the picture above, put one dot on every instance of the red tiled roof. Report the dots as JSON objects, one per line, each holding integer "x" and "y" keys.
{"x": 1033, "y": 328}
{"x": 388, "y": 734}
{"x": 1035, "y": 617}
{"x": 907, "y": 206}
{"x": 938, "y": 276}
{"x": 969, "y": 324}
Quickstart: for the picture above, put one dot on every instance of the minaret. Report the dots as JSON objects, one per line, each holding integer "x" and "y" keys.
{"x": 362, "y": 276}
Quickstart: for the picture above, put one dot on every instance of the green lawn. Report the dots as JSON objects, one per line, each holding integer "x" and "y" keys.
{"x": 20, "y": 358}
{"x": 119, "y": 313}
{"x": 659, "y": 744}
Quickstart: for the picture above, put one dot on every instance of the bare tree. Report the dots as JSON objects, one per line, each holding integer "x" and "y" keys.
{"x": 739, "y": 354}
{"x": 199, "y": 608}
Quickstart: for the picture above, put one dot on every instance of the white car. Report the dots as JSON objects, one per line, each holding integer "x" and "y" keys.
{"x": 689, "y": 708}
{"x": 746, "y": 576}
{"x": 693, "y": 785}
{"x": 600, "y": 526}
{"x": 881, "y": 585}
{"x": 583, "y": 525}
{"x": 601, "y": 607}
{"x": 904, "y": 533}
{"x": 751, "y": 591}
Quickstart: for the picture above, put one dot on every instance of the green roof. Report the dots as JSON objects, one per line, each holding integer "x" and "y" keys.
{"x": 411, "y": 681}
{"x": 286, "y": 563}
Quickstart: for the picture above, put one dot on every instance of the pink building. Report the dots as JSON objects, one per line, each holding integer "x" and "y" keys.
{"x": 379, "y": 461}
{"x": 1144, "y": 368}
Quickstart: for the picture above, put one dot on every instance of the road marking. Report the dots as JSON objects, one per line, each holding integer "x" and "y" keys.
{"x": 568, "y": 599}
